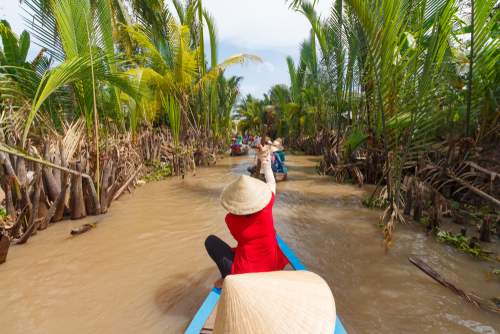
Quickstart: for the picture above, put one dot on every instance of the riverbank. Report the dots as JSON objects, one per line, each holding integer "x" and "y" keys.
{"x": 455, "y": 180}
{"x": 77, "y": 179}
{"x": 144, "y": 267}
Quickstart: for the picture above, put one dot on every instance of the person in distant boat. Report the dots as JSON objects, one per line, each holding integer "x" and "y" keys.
{"x": 278, "y": 145}
{"x": 240, "y": 140}
{"x": 250, "y": 221}
{"x": 276, "y": 163}
{"x": 256, "y": 141}
{"x": 235, "y": 145}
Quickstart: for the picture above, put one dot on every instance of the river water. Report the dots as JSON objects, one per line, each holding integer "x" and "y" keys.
{"x": 144, "y": 268}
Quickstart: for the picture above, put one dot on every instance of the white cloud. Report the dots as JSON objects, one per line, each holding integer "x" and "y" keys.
{"x": 266, "y": 28}
{"x": 262, "y": 24}
{"x": 250, "y": 89}
{"x": 248, "y": 24}
{"x": 266, "y": 67}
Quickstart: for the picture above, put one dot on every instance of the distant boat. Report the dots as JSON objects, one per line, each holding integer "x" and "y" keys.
{"x": 242, "y": 150}
{"x": 282, "y": 172}
{"x": 278, "y": 172}
{"x": 203, "y": 322}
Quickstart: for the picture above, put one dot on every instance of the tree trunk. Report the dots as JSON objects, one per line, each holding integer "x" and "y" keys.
{"x": 64, "y": 164}
{"x": 421, "y": 166}
{"x": 52, "y": 188}
{"x": 95, "y": 201}
{"x": 43, "y": 206}
{"x": 19, "y": 223}
{"x": 9, "y": 204}
{"x": 58, "y": 215}
{"x": 409, "y": 193}
{"x": 21, "y": 174}
{"x": 184, "y": 121}
{"x": 458, "y": 219}
{"x": 104, "y": 189}
{"x": 111, "y": 193}
{"x": 32, "y": 224}
{"x": 86, "y": 199}
{"x": 5, "y": 159}
{"x": 4, "y": 248}
{"x": 473, "y": 242}
{"x": 434, "y": 214}
{"x": 77, "y": 203}
{"x": 53, "y": 208}
{"x": 485, "y": 229}
{"x": 146, "y": 148}
{"x": 417, "y": 210}
{"x": 113, "y": 174}
{"x": 57, "y": 172}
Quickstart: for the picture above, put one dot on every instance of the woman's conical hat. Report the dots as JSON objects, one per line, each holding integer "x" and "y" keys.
{"x": 278, "y": 145}
{"x": 245, "y": 196}
{"x": 279, "y": 302}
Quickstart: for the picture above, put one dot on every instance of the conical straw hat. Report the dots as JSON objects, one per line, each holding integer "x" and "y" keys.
{"x": 245, "y": 195}
{"x": 277, "y": 144}
{"x": 279, "y": 302}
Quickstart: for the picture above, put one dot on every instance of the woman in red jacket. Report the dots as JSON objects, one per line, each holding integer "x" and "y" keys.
{"x": 250, "y": 221}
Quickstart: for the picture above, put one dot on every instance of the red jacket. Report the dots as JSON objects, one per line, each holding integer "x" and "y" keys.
{"x": 257, "y": 249}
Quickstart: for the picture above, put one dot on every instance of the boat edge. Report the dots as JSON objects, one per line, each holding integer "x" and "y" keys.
{"x": 204, "y": 312}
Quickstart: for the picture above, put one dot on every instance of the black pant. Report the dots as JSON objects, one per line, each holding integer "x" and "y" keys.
{"x": 221, "y": 253}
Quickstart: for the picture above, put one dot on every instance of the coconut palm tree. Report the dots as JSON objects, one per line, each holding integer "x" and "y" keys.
{"x": 77, "y": 34}
{"x": 178, "y": 74}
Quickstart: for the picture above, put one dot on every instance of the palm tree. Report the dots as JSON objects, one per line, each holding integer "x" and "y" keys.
{"x": 252, "y": 114}
{"x": 176, "y": 72}
{"x": 73, "y": 32}
{"x": 228, "y": 92}
{"x": 21, "y": 78}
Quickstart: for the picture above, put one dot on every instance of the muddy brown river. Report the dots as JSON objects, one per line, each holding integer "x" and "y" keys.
{"x": 144, "y": 268}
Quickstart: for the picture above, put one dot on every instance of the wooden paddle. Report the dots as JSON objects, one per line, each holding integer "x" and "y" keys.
{"x": 262, "y": 142}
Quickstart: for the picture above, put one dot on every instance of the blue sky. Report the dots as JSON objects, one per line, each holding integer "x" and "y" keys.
{"x": 265, "y": 28}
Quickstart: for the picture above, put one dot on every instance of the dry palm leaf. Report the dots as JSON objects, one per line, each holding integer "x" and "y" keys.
{"x": 389, "y": 227}
{"x": 73, "y": 135}
{"x": 470, "y": 297}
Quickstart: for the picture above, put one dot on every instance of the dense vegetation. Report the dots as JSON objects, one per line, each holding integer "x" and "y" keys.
{"x": 389, "y": 83}
{"x": 389, "y": 92}
{"x": 117, "y": 85}
{"x": 78, "y": 73}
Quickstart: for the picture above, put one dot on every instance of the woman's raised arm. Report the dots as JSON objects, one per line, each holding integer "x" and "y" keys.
{"x": 266, "y": 165}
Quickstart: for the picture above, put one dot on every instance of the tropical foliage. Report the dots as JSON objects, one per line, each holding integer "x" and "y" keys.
{"x": 78, "y": 73}
{"x": 392, "y": 75}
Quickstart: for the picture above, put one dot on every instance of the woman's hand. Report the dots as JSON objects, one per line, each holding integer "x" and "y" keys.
{"x": 263, "y": 153}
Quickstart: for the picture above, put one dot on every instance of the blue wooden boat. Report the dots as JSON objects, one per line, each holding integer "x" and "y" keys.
{"x": 240, "y": 151}
{"x": 203, "y": 321}
{"x": 278, "y": 172}
{"x": 281, "y": 172}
